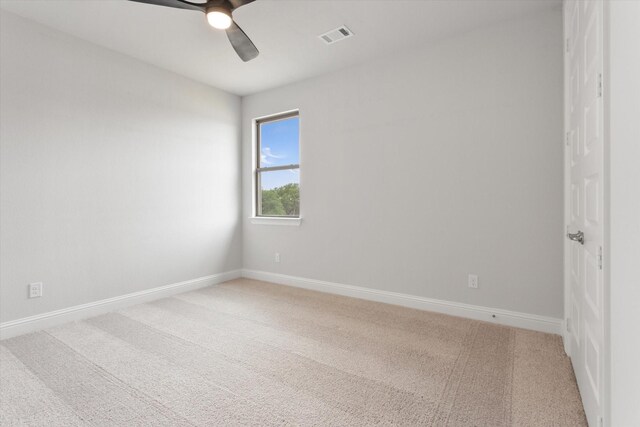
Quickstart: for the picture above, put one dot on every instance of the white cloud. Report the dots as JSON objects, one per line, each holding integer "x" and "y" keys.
{"x": 266, "y": 154}
{"x": 266, "y": 151}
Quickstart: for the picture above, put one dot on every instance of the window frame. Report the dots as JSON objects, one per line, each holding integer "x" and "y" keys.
{"x": 258, "y": 170}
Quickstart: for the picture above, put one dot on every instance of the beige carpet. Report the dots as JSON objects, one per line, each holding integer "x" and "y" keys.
{"x": 253, "y": 353}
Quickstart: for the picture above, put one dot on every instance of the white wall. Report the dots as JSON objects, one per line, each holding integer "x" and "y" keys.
{"x": 116, "y": 176}
{"x": 624, "y": 157}
{"x": 420, "y": 168}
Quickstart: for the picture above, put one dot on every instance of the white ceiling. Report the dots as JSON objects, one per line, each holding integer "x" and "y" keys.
{"x": 285, "y": 32}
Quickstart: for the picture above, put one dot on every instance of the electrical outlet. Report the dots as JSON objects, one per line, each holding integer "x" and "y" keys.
{"x": 35, "y": 290}
{"x": 473, "y": 281}
{"x": 277, "y": 257}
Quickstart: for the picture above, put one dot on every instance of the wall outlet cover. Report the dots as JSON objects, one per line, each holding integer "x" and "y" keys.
{"x": 35, "y": 290}
{"x": 473, "y": 281}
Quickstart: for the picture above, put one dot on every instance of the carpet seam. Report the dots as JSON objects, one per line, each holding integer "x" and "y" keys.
{"x": 119, "y": 382}
{"x": 53, "y": 392}
{"x": 449, "y": 393}
{"x": 377, "y": 382}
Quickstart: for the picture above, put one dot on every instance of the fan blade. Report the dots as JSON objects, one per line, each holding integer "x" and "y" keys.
{"x": 237, "y": 3}
{"x": 178, "y": 4}
{"x": 244, "y": 47}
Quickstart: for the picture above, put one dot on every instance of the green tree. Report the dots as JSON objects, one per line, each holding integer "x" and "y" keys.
{"x": 271, "y": 204}
{"x": 281, "y": 201}
{"x": 289, "y": 196}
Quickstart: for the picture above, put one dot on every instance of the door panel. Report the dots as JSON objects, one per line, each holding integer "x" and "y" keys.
{"x": 592, "y": 364}
{"x": 583, "y": 68}
{"x": 575, "y": 317}
{"x": 592, "y": 199}
{"x": 592, "y": 283}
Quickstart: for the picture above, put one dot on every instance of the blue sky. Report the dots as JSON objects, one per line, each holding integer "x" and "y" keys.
{"x": 279, "y": 147}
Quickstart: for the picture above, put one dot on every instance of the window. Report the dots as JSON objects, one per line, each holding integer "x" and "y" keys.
{"x": 278, "y": 166}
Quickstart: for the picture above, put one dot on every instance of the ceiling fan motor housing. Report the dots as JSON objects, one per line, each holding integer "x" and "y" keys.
{"x": 224, "y": 6}
{"x": 222, "y": 9}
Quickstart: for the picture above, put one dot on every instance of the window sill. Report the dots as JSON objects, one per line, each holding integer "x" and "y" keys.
{"x": 267, "y": 220}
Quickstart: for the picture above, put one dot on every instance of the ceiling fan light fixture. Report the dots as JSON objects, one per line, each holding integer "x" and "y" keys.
{"x": 219, "y": 17}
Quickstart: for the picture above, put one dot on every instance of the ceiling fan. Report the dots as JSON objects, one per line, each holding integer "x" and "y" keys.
{"x": 219, "y": 15}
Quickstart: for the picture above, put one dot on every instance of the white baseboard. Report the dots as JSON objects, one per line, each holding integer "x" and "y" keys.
{"x": 494, "y": 315}
{"x": 499, "y": 316}
{"x": 83, "y": 311}
{"x": 566, "y": 338}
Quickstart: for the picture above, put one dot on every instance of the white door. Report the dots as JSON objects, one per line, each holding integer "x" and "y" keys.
{"x": 584, "y": 68}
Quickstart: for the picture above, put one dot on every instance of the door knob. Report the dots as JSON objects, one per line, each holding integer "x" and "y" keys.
{"x": 576, "y": 237}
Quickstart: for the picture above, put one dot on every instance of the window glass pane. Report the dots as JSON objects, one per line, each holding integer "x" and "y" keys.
{"x": 280, "y": 192}
{"x": 279, "y": 143}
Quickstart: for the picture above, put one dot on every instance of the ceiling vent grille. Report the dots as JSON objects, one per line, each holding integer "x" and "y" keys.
{"x": 336, "y": 35}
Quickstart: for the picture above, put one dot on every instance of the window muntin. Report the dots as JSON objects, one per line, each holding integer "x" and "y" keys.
{"x": 277, "y": 178}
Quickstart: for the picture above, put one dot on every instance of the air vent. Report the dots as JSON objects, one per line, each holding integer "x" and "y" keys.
{"x": 336, "y": 35}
